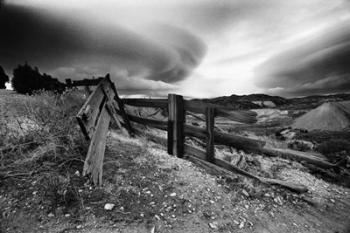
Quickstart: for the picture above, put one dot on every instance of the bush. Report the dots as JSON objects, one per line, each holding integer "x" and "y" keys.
{"x": 333, "y": 146}
{"x": 27, "y": 80}
{"x": 3, "y": 78}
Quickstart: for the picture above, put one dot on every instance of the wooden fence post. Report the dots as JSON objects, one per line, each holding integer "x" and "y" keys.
{"x": 176, "y": 135}
{"x": 210, "y": 122}
{"x": 94, "y": 159}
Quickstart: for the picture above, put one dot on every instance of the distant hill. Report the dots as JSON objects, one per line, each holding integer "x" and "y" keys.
{"x": 316, "y": 100}
{"x": 248, "y": 101}
{"x": 333, "y": 116}
{"x": 255, "y": 101}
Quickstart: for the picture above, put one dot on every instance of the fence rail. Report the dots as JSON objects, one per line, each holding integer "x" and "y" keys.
{"x": 104, "y": 105}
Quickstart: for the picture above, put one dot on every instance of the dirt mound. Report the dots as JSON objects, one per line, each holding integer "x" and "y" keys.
{"x": 333, "y": 116}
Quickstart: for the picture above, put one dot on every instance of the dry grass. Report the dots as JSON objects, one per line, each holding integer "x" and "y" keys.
{"x": 41, "y": 142}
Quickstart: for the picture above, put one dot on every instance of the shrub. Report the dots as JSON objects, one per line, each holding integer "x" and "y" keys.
{"x": 27, "y": 80}
{"x": 333, "y": 146}
{"x": 3, "y": 78}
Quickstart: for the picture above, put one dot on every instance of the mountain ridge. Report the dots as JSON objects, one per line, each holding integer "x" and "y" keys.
{"x": 258, "y": 101}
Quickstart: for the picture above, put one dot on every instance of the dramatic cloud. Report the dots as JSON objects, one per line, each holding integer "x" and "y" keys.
{"x": 318, "y": 66}
{"x": 53, "y": 42}
{"x": 198, "y": 48}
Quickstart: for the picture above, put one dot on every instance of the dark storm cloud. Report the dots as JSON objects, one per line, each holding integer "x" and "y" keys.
{"x": 51, "y": 42}
{"x": 320, "y": 65}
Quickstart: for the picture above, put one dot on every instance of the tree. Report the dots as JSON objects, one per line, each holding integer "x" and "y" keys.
{"x": 3, "y": 78}
{"x": 26, "y": 80}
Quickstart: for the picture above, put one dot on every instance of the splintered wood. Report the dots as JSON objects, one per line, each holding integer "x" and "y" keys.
{"x": 94, "y": 160}
{"x": 94, "y": 119}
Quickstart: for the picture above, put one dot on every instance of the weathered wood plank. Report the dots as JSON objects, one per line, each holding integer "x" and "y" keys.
{"x": 198, "y": 156}
{"x": 121, "y": 108}
{"x": 239, "y": 142}
{"x": 89, "y": 112}
{"x": 94, "y": 160}
{"x": 163, "y": 125}
{"x": 152, "y": 103}
{"x": 210, "y": 122}
{"x": 191, "y": 150}
{"x": 300, "y": 156}
{"x": 248, "y": 117}
{"x": 177, "y": 119}
{"x": 170, "y": 136}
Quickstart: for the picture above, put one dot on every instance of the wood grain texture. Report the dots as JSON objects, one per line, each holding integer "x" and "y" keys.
{"x": 177, "y": 119}
{"x": 248, "y": 117}
{"x": 210, "y": 122}
{"x": 89, "y": 112}
{"x": 300, "y": 156}
{"x": 238, "y": 142}
{"x": 94, "y": 160}
{"x": 151, "y": 103}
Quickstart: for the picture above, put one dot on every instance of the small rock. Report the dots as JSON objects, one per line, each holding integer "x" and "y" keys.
{"x": 173, "y": 216}
{"x": 148, "y": 192}
{"x": 332, "y": 200}
{"x": 246, "y": 206}
{"x": 172, "y": 194}
{"x": 245, "y": 193}
{"x": 50, "y": 215}
{"x": 241, "y": 225}
{"x": 267, "y": 195}
{"x": 157, "y": 217}
{"x": 278, "y": 200}
{"x": 77, "y": 173}
{"x": 212, "y": 202}
{"x": 142, "y": 215}
{"x": 109, "y": 206}
{"x": 79, "y": 226}
{"x": 213, "y": 225}
{"x": 67, "y": 215}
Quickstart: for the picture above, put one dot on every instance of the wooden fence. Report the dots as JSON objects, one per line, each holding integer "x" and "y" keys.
{"x": 104, "y": 105}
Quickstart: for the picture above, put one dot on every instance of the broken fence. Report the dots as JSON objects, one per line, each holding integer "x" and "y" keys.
{"x": 104, "y": 105}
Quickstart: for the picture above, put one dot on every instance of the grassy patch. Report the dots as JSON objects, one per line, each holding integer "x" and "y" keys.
{"x": 41, "y": 147}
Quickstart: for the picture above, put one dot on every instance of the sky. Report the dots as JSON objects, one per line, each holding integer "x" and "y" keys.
{"x": 196, "y": 48}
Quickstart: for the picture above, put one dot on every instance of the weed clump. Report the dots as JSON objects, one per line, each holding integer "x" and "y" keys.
{"x": 40, "y": 141}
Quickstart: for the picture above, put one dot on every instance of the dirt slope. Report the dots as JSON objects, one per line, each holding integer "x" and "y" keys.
{"x": 155, "y": 192}
{"x": 334, "y": 116}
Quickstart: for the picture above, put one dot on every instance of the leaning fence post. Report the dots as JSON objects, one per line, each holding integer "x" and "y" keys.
{"x": 176, "y": 135}
{"x": 210, "y": 122}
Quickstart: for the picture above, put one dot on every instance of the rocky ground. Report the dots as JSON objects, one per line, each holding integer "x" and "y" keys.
{"x": 146, "y": 190}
